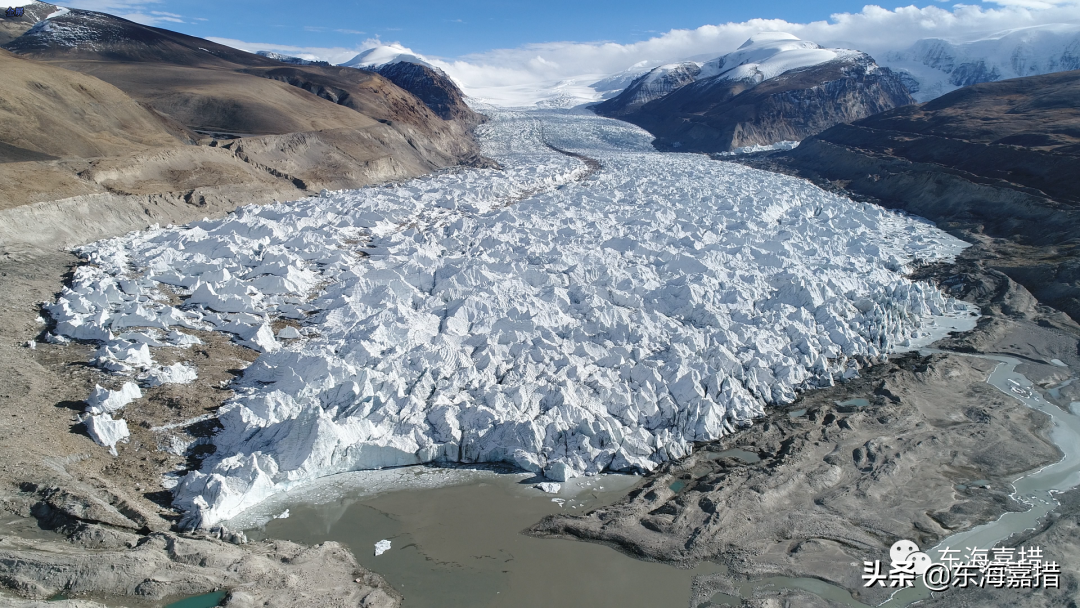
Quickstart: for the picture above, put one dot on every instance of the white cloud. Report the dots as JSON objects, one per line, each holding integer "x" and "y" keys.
{"x": 532, "y": 72}
{"x": 505, "y": 75}
{"x": 334, "y": 55}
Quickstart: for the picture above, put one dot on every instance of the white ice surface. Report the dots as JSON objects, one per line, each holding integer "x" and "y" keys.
{"x": 780, "y": 145}
{"x": 177, "y": 373}
{"x": 382, "y": 547}
{"x": 107, "y": 432}
{"x": 104, "y": 401}
{"x": 518, "y": 316}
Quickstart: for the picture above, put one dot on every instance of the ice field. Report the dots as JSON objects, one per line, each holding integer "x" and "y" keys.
{"x": 564, "y": 322}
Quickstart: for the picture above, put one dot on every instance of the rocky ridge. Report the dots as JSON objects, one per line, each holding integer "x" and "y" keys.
{"x": 775, "y": 88}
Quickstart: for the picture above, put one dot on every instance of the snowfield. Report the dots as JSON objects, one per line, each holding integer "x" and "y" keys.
{"x": 530, "y": 316}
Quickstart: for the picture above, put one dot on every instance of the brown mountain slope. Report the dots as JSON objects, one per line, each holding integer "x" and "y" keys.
{"x": 262, "y": 134}
{"x": 54, "y": 112}
{"x": 995, "y": 163}
{"x": 81, "y": 34}
{"x": 225, "y": 92}
{"x": 222, "y": 101}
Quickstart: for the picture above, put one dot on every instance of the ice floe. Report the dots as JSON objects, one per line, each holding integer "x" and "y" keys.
{"x": 520, "y": 316}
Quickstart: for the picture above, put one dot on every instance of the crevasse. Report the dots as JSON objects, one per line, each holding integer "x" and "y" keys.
{"x": 566, "y": 327}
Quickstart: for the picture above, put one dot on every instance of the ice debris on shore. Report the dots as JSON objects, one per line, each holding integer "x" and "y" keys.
{"x": 108, "y": 307}
{"x": 100, "y": 406}
{"x": 589, "y": 326}
{"x": 104, "y": 401}
{"x": 107, "y": 432}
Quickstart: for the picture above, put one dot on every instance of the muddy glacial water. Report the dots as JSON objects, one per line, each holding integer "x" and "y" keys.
{"x": 461, "y": 544}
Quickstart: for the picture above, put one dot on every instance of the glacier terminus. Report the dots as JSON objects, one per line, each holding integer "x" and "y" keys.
{"x": 559, "y": 319}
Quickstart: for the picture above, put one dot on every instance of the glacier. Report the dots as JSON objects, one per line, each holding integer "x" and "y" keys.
{"x": 564, "y": 320}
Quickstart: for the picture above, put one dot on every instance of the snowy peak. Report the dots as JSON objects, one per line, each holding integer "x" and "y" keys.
{"x": 763, "y": 57}
{"x": 414, "y": 74}
{"x": 773, "y": 89}
{"x": 933, "y": 67}
{"x": 770, "y": 54}
{"x": 100, "y": 36}
{"x": 290, "y": 59}
{"x": 385, "y": 55}
{"x": 655, "y": 84}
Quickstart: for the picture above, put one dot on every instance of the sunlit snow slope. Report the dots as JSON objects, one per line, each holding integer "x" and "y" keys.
{"x": 521, "y": 316}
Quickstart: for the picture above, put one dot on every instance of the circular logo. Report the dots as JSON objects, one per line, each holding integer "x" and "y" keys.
{"x": 900, "y": 551}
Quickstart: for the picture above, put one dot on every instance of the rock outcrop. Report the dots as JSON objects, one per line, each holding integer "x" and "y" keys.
{"x": 433, "y": 87}
{"x": 653, "y": 85}
{"x": 774, "y": 88}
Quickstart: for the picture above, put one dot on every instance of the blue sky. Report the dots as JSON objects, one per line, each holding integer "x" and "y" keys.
{"x": 451, "y": 29}
{"x": 511, "y": 52}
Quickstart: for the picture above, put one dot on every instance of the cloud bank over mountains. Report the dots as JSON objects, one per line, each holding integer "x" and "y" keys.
{"x": 504, "y": 76}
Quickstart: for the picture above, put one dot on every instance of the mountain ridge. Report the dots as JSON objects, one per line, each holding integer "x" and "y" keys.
{"x": 774, "y": 88}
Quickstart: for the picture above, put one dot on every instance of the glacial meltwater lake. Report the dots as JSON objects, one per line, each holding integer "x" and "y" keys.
{"x": 462, "y": 544}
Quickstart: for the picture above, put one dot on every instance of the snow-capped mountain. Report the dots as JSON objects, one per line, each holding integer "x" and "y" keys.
{"x": 290, "y": 59}
{"x": 760, "y": 58}
{"x": 655, "y": 84}
{"x": 384, "y": 55}
{"x": 414, "y": 74}
{"x": 770, "y": 54}
{"x": 773, "y": 88}
{"x": 932, "y": 67}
